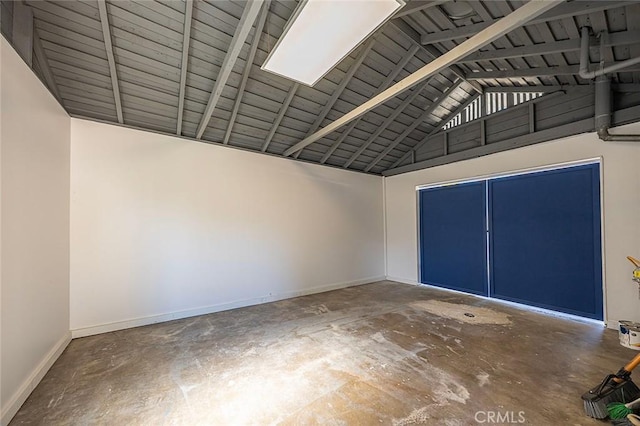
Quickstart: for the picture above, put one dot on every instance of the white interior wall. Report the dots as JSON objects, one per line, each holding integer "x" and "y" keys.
{"x": 164, "y": 228}
{"x": 34, "y": 146}
{"x": 621, "y": 205}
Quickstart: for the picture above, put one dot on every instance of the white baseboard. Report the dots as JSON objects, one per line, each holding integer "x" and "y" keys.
{"x": 613, "y": 324}
{"x": 402, "y": 280}
{"x": 21, "y": 395}
{"x": 138, "y": 322}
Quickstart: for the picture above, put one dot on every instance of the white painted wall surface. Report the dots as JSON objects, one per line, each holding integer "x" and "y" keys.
{"x": 35, "y": 136}
{"x": 164, "y": 228}
{"x": 621, "y": 207}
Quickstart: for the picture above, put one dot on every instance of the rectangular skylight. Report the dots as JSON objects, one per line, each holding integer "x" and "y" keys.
{"x": 322, "y": 32}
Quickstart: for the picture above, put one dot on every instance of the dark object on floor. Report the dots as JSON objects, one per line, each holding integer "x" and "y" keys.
{"x": 614, "y": 388}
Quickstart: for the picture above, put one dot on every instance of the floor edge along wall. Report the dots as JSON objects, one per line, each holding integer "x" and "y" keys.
{"x": 19, "y": 398}
{"x": 138, "y": 322}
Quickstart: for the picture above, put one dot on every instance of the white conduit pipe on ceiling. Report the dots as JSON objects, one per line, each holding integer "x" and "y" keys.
{"x": 603, "y": 91}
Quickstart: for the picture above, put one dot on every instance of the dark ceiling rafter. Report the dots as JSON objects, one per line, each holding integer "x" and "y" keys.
{"x": 343, "y": 84}
{"x": 386, "y": 83}
{"x": 622, "y": 38}
{"x": 517, "y": 18}
{"x": 548, "y": 37}
{"x": 106, "y": 34}
{"x": 532, "y": 135}
{"x": 414, "y": 36}
{"x": 566, "y": 10}
{"x": 533, "y": 72}
{"x": 158, "y": 69}
{"x": 247, "y": 69}
{"x": 435, "y": 130}
{"x": 524, "y": 89}
{"x": 41, "y": 57}
{"x": 415, "y": 124}
{"x": 387, "y": 122}
{"x": 188, "y": 14}
{"x": 281, "y": 113}
{"x": 249, "y": 16}
{"x": 506, "y": 42}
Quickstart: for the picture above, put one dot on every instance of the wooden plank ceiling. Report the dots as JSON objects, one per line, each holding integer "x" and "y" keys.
{"x": 165, "y": 57}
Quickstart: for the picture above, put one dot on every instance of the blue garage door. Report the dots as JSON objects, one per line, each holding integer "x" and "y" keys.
{"x": 545, "y": 247}
{"x": 453, "y": 237}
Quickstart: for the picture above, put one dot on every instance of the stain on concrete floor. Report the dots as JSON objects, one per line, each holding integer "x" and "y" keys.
{"x": 462, "y": 312}
{"x": 382, "y": 353}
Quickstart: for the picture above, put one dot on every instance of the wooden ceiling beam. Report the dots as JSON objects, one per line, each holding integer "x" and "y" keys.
{"x": 386, "y": 83}
{"x": 249, "y": 15}
{"x": 615, "y": 39}
{"x": 515, "y": 19}
{"x": 413, "y": 35}
{"x": 247, "y": 71}
{"x": 106, "y": 33}
{"x": 567, "y": 10}
{"x": 415, "y": 124}
{"x": 186, "y": 38}
{"x": 387, "y": 122}
{"x": 533, "y": 72}
{"x": 437, "y": 128}
{"x": 41, "y": 57}
{"x": 343, "y": 84}
{"x": 281, "y": 113}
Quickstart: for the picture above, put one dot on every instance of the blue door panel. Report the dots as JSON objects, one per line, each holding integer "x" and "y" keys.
{"x": 453, "y": 237}
{"x": 545, "y": 247}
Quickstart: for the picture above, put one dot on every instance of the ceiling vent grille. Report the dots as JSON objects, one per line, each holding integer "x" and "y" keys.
{"x": 493, "y": 102}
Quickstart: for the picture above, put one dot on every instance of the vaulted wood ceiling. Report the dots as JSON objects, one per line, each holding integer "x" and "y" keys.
{"x": 162, "y": 61}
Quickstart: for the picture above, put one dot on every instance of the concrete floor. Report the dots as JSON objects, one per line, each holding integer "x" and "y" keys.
{"x": 382, "y": 353}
